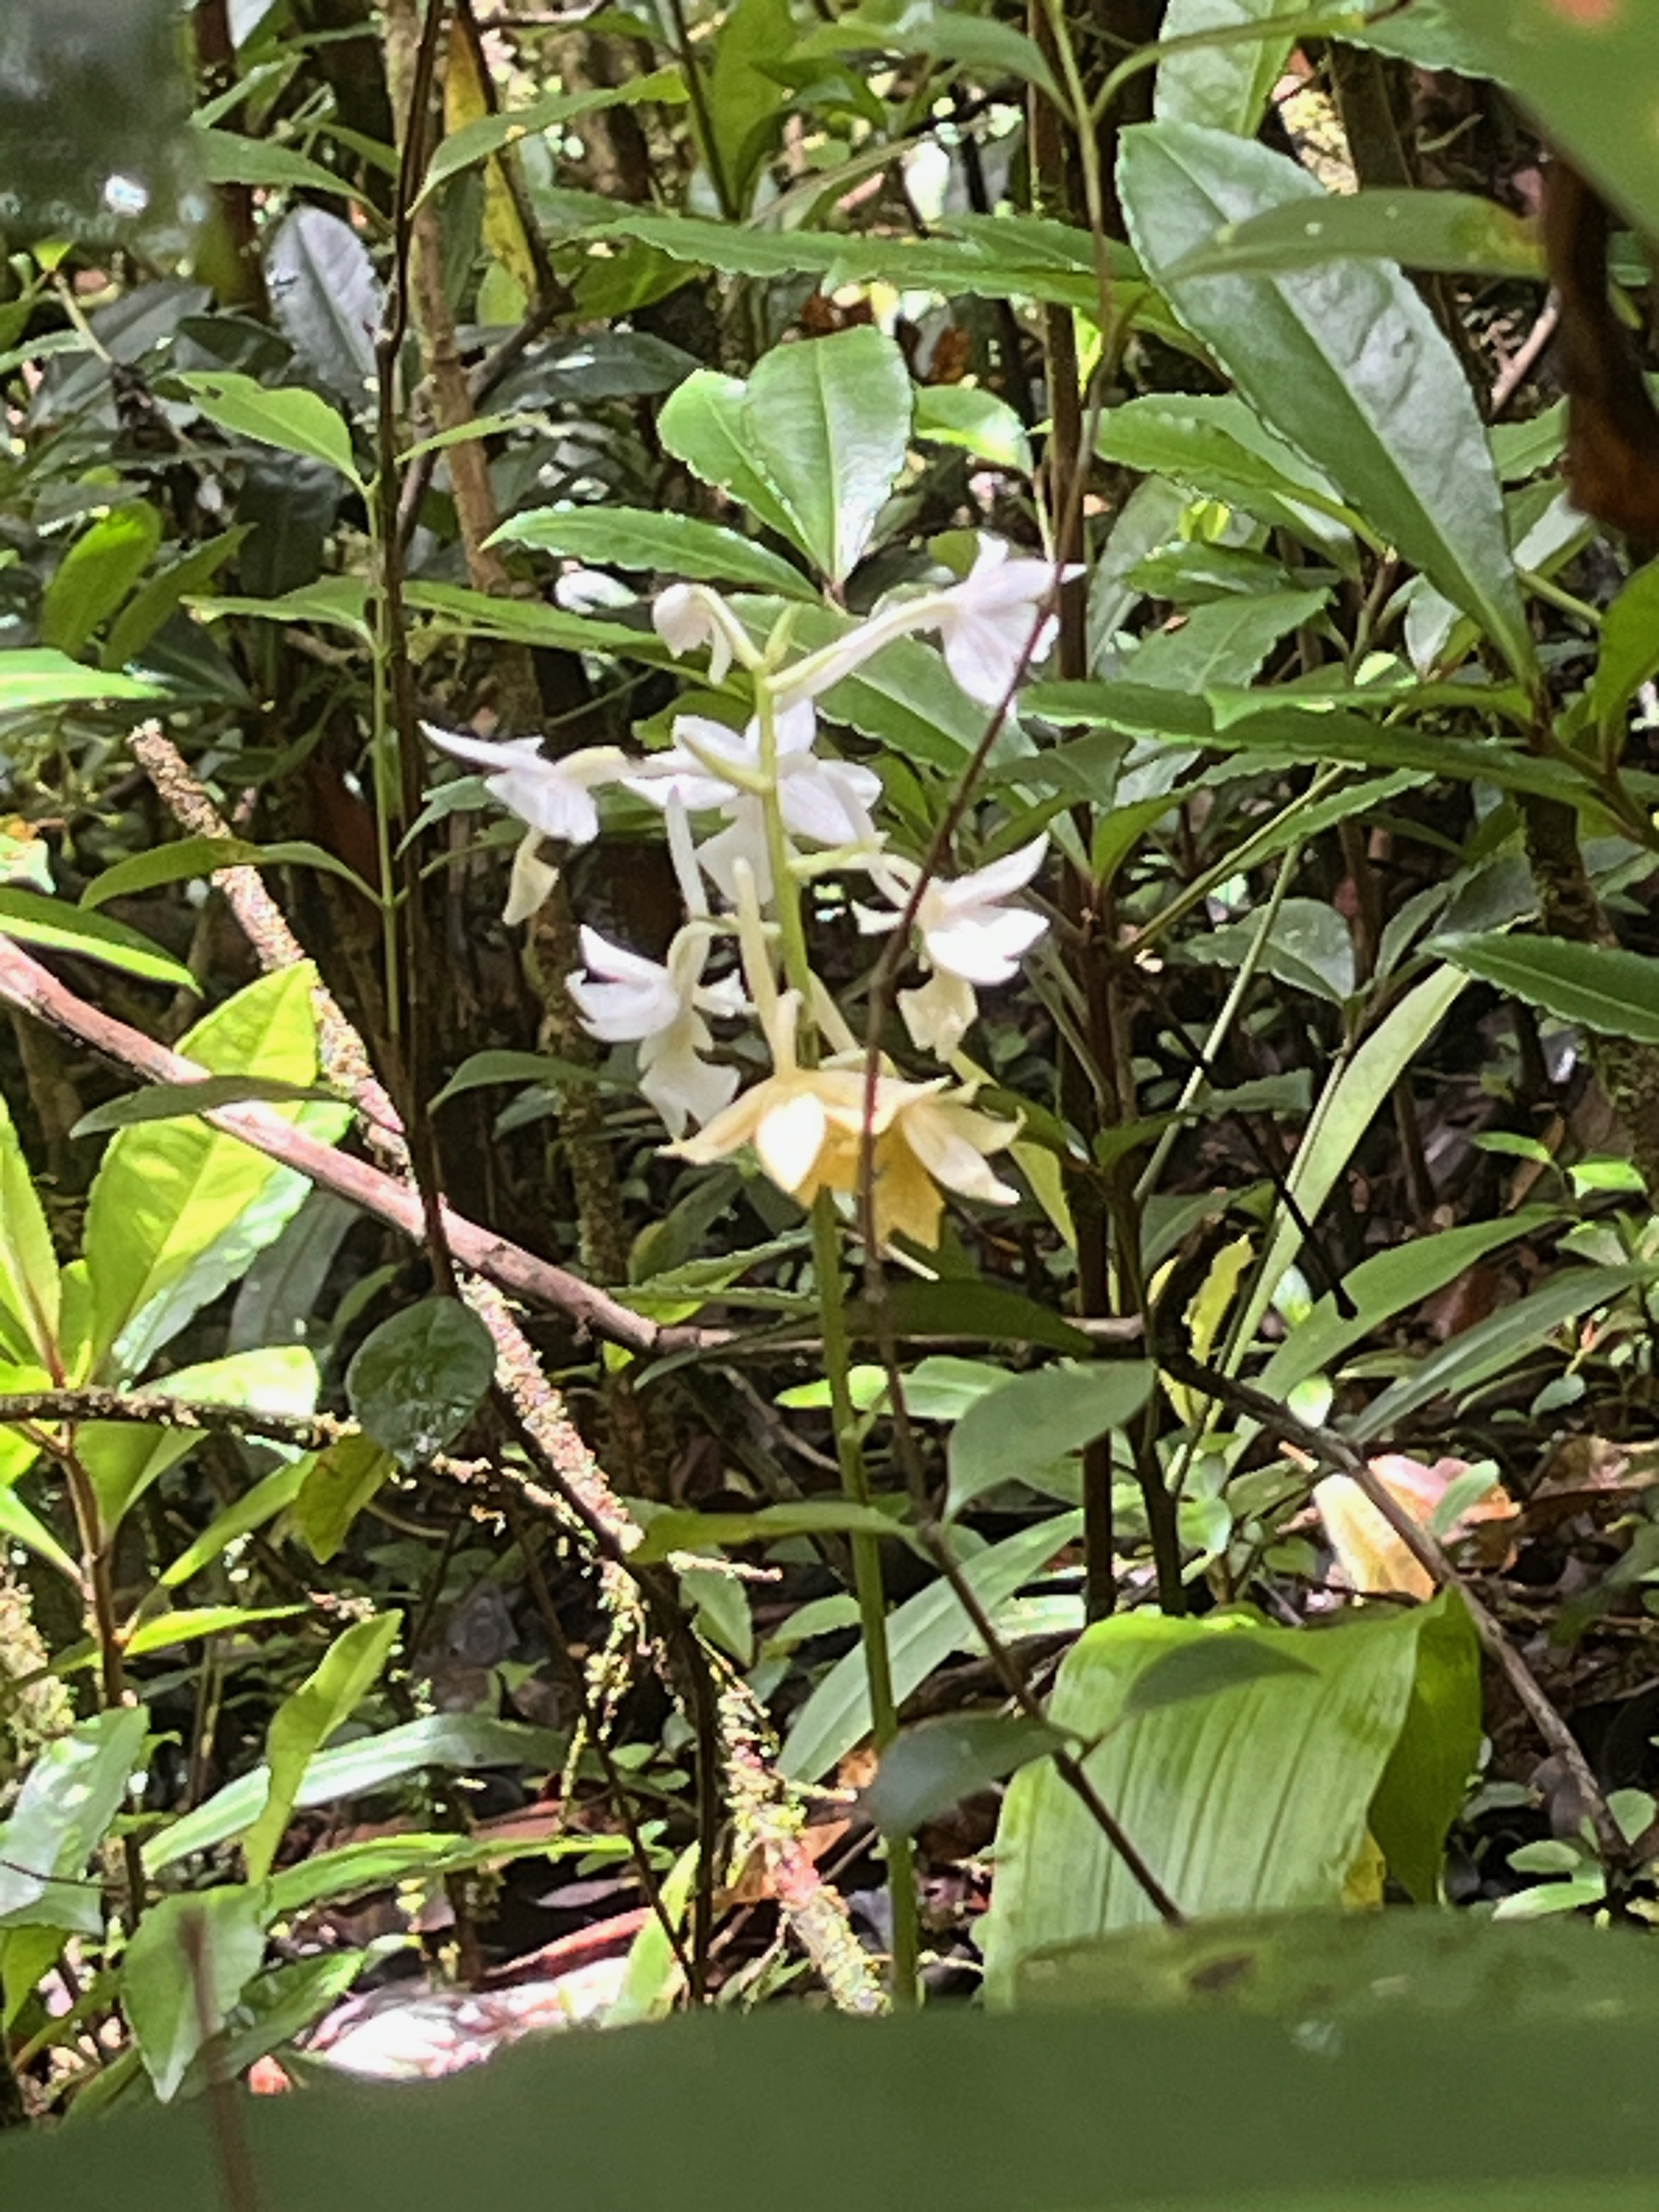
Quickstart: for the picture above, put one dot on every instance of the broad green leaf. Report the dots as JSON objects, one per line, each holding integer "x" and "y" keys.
{"x": 27, "y": 1957}
{"x": 1497, "y": 2108}
{"x": 97, "y": 573}
{"x": 168, "y": 1199}
{"x": 419, "y": 1379}
{"x": 1453, "y": 231}
{"x": 928, "y": 1768}
{"x": 1226, "y": 85}
{"x": 1599, "y": 986}
{"x": 683, "y": 1530}
{"x": 29, "y": 1288}
{"x": 482, "y": 1069}
{"x": 1345, "y": 1967}
{"x": 1346, "y": 359}
{"x": 305, "y": 1719}
{"x": 71, "y": 1793}
{"x": 337, "y": 602}
{"x": 461, "y": 1742}
{"x": 341, "y": 1482}
{"x": 290, "y": 418}
{"x": 1215, "y": 444}
{"x": 672, "y": 545}
{"x": 34, "y": 919}
{"x": 922, "y": 1634}
{"x": 1589, "y": 69}
{"x": 122, "y": 1458}
{"x": 829, "y": 421}
{"x": 27, "y": 1528}
{"x": 1253, "y": 1798}
{"x": 703, "y": 423}
{"x": 1206, "y": 1667}
{"x": 1427, "y": 1778}
{"x": 477, "y": 142}
{"x": 1629, "y": 653}
{"x": 745, "y": 102}
{"x": 1222, "y": 642}
{"x": 983, "y": 43}
{"x": 189, "y": 1960}
{"x": 1021, "y": 1429}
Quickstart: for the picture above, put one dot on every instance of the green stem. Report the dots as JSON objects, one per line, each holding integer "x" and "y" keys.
{"x": 866, "y": 1580}
{"x": 837, "y": 1364}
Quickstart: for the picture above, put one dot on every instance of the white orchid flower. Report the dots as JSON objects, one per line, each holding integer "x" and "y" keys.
{"x": 985, "y": 624}
{"x": 687, "y": 616}
{"x": 968, "y": 938}
{"x": 659, "y": 1006}
{"x": 551, "y": 797}
{"x": 827, "y": 802}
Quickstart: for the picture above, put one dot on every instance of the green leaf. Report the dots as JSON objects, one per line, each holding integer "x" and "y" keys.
{"x": 461, "y": 1742}
{"x": 829, "y": 422}
{"x": 971, "y": 1309}
{"x": 1021, "y": 1429}
{"x": 928, "y": 1768}
{"x": 419, "y": 1379}
{"x": 172, "y": 1102}
{"x": 1427, "y": 1777}
{"x": 670, "y": 544}
{"x": 981, "y": 43}
{"x": 1256, "y": 1797}
{"x": 1590, "y": 75}
{"x": 70, "y": 1796}
{"x": 482, "y": 1069}
{"x": 173, "y": 1215}
{"x": 1217, "y": 446}
{"x": 680, "y": 1529}
{"x": 1226, "y": 85}
{"x": 1207, "y": 1667}
{"x": 292, "y": 419}
{"x": 304, "y": 1722}
{"x": 122, "y": 1458}
{"x": 342, "y": 1480}
{"x": 97, "y": 573}
{"x": 188, "y": 1624}
{"x": 29, "y": 1287}
{"x": 1453, "y": 231}
{"x": 1351, "y": 1098}
{"x": 382, "y": 1862}
{"x": 228, "y": 158}
{"x": 978, "y": 422}
{"x": 922, "y": 1634}
{"x": 336, "y": 602}
{"x": 1599, "y": 986}
{"x": 154, "y": 601}
{"x": 188, "y": 1962}
{"x": 745, "y": 102}
{"x": 34, "y": 919}
{"x": 1346, "y": 357}
{"x": 187, "y": 858}
{"x": 267, "y": 1498}
{"x": 477, "y": 142}
{"x": 703, "y": 423}
{"x": 1492, "y": 1346}
{"x": 1629, "y": 650}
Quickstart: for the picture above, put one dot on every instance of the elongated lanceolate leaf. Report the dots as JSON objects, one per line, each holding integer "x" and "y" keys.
{"x": 1454, "y": 231}
{"x": 36, "y": 677}
{"x": 28, "y": 1265}
{"x": 63, "y": 1812}
{"x": 634, "y": 538}
{"x": 1599, "y": 986}
{"x": 1345, "y": 359}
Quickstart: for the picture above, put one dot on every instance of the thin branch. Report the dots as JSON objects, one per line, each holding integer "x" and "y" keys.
{"x": 309, "y": 1432}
